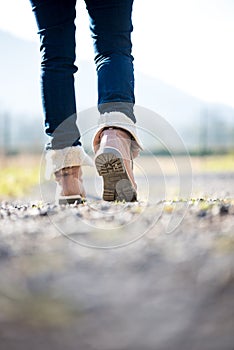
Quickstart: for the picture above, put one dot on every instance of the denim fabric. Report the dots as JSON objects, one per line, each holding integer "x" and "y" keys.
{"x": 111, "y": 27}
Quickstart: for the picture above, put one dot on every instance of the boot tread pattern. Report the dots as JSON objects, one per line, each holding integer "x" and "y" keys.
{"x": 116, "y": 184}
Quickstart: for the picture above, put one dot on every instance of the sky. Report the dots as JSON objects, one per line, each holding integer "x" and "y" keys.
{"x": 185, "y": 43}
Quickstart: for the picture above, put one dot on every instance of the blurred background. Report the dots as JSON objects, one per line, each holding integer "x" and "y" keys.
{"x": 183, "y": 69}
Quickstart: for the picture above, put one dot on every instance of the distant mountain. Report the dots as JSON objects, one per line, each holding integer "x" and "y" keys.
{"x": 20, "y": 96}
{"x": 20, "y": 78}
{"x": 19, "y": 71}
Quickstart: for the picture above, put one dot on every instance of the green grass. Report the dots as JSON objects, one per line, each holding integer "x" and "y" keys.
{"x": 17, "y": 181}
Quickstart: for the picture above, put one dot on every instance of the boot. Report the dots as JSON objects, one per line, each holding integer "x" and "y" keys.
{"x": 70, "y": 187}
{"x": 113, "y": 160}
{"x": 66, "y": 165}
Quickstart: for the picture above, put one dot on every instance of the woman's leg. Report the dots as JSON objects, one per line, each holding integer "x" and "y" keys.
{"x": 115, "y": 142}
{"x": 65, "y": 155}
{"x": 55, "y": 19}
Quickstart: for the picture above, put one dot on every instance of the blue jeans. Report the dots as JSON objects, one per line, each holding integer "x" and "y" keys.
{"x": 111, "y": 27}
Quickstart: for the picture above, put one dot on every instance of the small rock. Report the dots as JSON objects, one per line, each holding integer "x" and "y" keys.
{"x": 202, "y": 213}
{"x": 224, "y": 210}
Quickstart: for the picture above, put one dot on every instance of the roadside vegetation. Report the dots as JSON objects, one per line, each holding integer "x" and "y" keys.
{"x": 19, "y": 175}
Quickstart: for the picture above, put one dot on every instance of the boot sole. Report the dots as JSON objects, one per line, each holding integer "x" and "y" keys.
{"x": 116, "y": 183}
{"x": 63, "y": 200}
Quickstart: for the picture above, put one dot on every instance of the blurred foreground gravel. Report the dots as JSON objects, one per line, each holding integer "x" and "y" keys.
{"x": 157, "y": 276}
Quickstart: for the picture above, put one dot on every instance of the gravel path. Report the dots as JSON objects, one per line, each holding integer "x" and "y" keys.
{"x": 118, "y": 276}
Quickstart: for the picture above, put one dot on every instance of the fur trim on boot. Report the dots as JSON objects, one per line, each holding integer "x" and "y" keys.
{"x": 66, "y": 157}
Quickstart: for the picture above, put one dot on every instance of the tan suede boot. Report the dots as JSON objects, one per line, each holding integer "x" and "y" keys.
{"x": 114, "y": 163}
{"x": 70, "y": 187}
{"x": 66, "y": 165}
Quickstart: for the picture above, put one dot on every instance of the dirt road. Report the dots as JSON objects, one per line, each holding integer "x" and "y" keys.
{"x": 152, "y": 275}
